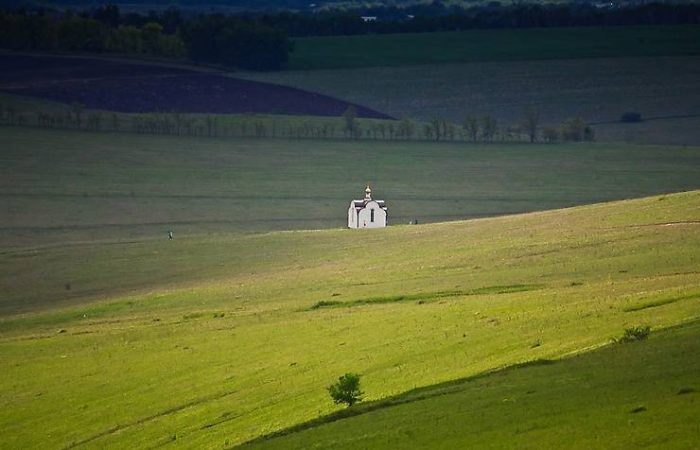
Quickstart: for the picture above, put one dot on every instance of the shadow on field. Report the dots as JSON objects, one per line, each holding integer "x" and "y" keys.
{"x": 462, "y": 384}
{"x": 414, "y": 395}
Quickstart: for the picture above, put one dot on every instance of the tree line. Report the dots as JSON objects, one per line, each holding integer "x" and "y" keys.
{"x": 348, "y": 126}
{"x": 437, "y": 16}
{"x": 488, "y": 129}
{"x": 70, "y": 32}
{"x": 260, "y": 41}
{"x": 235, "y": 41}
{"x": 215, "y": 38}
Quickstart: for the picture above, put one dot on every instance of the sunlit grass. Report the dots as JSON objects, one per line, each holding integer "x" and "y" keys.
{"x": 217, "y": 344}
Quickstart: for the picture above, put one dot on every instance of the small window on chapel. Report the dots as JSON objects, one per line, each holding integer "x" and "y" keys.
{"x": 371, "y": 215}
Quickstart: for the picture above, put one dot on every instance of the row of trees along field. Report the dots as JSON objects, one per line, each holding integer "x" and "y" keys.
{"x": 348, "y": 126}
{"x": 260, "y": 41}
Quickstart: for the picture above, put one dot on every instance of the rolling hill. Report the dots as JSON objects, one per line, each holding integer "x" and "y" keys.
{"x": 496, "y": 331}
{"x": 642, "y": 395}
{"x": 231, "y": 337}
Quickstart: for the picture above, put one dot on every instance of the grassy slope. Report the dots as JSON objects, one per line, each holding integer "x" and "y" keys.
{"x": 493, "y": 45}
{"x": 65, "y": 186}
{"x": 144, "y": 369}
{"x": 594, "y": 400}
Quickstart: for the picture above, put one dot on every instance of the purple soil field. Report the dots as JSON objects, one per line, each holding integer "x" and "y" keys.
{"x": 136, "y": 88}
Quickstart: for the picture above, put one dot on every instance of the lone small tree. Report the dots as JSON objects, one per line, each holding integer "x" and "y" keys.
{"x": 350, "y": 118}
{"x": 531, "y": 123}
{"x": 471, "y": 126}
{"x": 77, "y": 109}
{"x": 489, "y": 127}
{"x": 346, "y": 389}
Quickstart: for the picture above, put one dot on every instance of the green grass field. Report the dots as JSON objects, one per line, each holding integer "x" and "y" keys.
{"x": 643, "y": 395}
{"x": 220, "y": 344}
{"x": 494, "y": 332}
{"x": 58, "y": 188}
{"x": 493, "y": 45}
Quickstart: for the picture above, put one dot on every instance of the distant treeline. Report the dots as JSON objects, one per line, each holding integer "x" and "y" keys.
{"x": 237, "y": 42}
{"x": 260, "y": 41}
{"x": 21, "y": 31}
{"x": 226, "y": 40}
{"x": 438, "y": 17}
{"x": 348, "y": 126}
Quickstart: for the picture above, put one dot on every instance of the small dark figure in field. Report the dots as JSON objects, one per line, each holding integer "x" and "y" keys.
{"x": 170, "y": 235}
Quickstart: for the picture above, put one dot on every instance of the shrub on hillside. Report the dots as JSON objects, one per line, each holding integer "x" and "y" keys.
{"x": 633, "y": 334}
{"x": 346, "y": 389}
{"x": 576, "y": 130}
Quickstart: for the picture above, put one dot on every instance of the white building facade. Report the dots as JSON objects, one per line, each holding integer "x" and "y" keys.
{"x": 367, "y": 213}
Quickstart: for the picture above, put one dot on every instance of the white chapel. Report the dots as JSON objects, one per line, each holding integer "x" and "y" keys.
{"x": 367, "y": 213}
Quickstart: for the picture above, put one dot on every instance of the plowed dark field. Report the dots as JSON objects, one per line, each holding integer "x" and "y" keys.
{"x": 136, "y": 88}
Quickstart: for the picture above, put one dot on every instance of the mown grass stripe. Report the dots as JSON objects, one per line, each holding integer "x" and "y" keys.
{"x": 661, "y": 302}
{"x": 425, "y": 296}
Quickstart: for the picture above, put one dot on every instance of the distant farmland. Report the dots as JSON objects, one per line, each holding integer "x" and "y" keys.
{"x": 393, "y": 50}
{"x": 594, "y": 73}
{"x": 59, "y": 185}
{"x": 598, "y": 90}
{"x": 125, "y": 87}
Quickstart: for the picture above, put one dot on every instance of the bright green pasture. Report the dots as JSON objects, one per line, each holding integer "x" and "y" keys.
{"x": 390, "y": 50}
{"x": 217, "y": 343}
{"x": 59, "y": 187}
{"x": 640, "y": 395}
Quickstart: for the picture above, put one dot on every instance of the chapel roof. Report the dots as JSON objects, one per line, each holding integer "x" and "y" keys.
{"x": 359, "y": 204}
